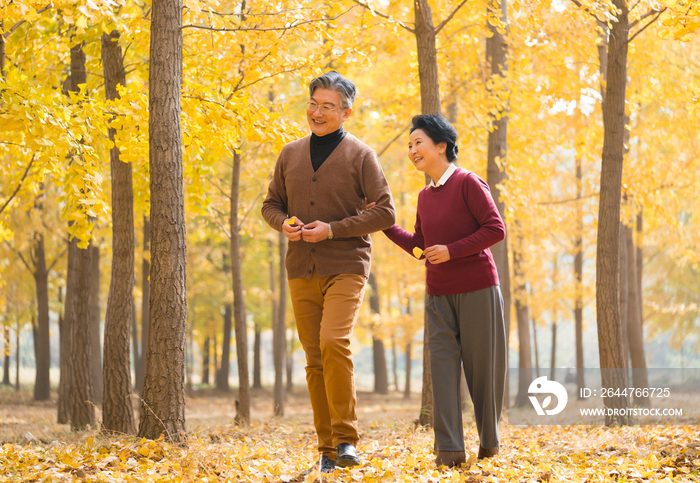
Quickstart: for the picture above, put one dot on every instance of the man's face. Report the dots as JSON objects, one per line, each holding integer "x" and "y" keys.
{"x": 322, "y": 124}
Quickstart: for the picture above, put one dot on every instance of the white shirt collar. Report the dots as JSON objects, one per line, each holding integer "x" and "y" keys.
{"x": 446, "y": 175}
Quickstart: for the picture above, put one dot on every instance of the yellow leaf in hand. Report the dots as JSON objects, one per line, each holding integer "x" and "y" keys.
{"x": 291, "y": 221}
{"x": 417, "y": 252}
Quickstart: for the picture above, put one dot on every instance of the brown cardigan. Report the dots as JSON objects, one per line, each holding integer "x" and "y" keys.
{"x": 333, "y": 194}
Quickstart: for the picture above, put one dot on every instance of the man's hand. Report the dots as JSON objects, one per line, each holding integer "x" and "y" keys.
{"x": 292, "y": 231}
{"x": 315, "y": 232}
{"x": 437, "y": 254}
{"x": 367, "y": 206}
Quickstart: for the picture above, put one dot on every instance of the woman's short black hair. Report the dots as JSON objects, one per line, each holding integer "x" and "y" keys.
{"x": 439, "y": 130}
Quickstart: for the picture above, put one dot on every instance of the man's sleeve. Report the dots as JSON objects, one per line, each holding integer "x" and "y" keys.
{"x": 275, "y": 207}
{"x": 376, "y": 189}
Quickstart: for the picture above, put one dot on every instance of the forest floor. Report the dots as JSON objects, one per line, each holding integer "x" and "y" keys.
{"x": 34, "y": 448}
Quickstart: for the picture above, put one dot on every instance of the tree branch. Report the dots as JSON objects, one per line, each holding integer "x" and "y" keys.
{"x": 449, "y": 17}
{"x": 268, "y": 29}
{"x": 588, "y": 11}
{"x": 647, "y": 25}
{"x": 20, "y": 257}
{"x": 58, "y": 257}
{"x": 252, "y": 205}
{"x": 383, "y": 15}
{"x": 379, "y": 154}
{"x": 17, "y": 25}
{"x": 19, "y": 185}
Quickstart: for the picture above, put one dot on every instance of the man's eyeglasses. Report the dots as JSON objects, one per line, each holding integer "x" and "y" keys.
{"x": 311, "y": 106}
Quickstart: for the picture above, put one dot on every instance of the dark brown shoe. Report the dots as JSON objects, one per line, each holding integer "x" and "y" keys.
{"x": 450, "y": 459}
{"x": 487, "y": 452}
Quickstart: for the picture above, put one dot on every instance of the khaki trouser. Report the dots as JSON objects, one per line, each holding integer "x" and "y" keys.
{"x": 326, "y": 310}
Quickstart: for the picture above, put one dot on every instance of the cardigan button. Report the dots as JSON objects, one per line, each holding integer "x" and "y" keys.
{"x": 313, "y": 250}
{"x": 309, "y": 271}
{"x": 312, "y": 203}
{"x": 313, "y": 179}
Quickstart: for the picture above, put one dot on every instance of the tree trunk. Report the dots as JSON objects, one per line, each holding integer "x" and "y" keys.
{"x": 257, "y": 381}
{"x": 239, "y": 322}
{"x": 496, "y": 59}
{"x": 426, "y": 412}
{"x": 555, "y": 317}
{"x": 610, "y": 345}
{"x": 623, "y": 294}
{"x": 17, "y": 360}
{"x": 427, "y": 58}
{"x": 82, "y": 411}
{"x": 429, "y": 79}
{"x": 42, "y": 383}
{"x": 190, "y": 351}
{"x": 290, "y": 362}
{"x": 536, "y": 349}
{"x": 134, "y": 336}
{"x": 381, "y": 378}
{"x": 140, "y": 367}
{"x": 216, "y": 360}
{"x": 578, "y": 281}
{"x": 394, "y": 363}
{"x": 279, "y": 341}
{"x": 64, "y": 387}
{"x": 223, "y": 373}
{"x": 6, "y": 359}
{"x": 163, "y": 406}
{"x": 639, "y": 257}
{"x": 407, "y": 381}
{"x": 525, "y": 352}
{"x": 117, "y": 410}
{"x": 634, "y": 324}
{"x": 96, "y": 350}
{"x": 205, "y": 361}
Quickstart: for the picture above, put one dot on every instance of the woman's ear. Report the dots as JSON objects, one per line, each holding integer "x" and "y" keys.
{"x": 442, "y": 148}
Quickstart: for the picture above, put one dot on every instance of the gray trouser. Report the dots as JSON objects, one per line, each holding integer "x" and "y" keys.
{"x": 467, "y": 329}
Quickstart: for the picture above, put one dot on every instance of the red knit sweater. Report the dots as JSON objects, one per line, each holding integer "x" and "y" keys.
{"x": 462, "y": 215}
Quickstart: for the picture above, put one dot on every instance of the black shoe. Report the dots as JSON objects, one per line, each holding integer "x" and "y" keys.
{"x": 327, "y": 466}
{"x": 346, "y": 456}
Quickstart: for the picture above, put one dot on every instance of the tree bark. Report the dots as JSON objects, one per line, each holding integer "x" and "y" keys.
{"x": 407, "y": 381}
{"x": 6, "y": 359}
{"x": 634, "y": 324}
{"x": 117, "y": 410}
{"x": 257, "y": 379}
{"x": 394, "y": 363}
{"x": 140, "y": 366}
{"x": 42, "y": 383}
{"x": 525, "y": 352}
{"x": 496, "y": 172}
{"x": 96, "y": 350}
{"x": 429, "y": 79}
{"x": 82, "y": 411}
{"x": 578, "y": 281}
{"x": 427, "y": 58}
{"x": 205, "y": 361}
{"x": 612, "y": 361}
{"x": 223, "y": 373}
{"x": 239, "y": 322}
{"x": 623, "y": 295}
{"x": 290, "y": 362}
{"x": 163, "y": 406}
{"x": 64, "y": 387}
{"x": 17, "y": 360}
{"x": 536, "y": 349}
{"x": 555, "y": 317}
{"x": 426, "y": 409}
{"x": 279, "y": 340}
{"x": 381, "y": 378}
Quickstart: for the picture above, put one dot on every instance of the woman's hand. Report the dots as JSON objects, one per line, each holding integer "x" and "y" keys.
{"x": 437, "y": 254}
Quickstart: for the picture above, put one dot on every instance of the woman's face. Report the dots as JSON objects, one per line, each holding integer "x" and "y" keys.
{"x": 423, "y": 152}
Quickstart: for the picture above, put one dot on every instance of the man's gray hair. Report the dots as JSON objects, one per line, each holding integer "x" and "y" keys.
{"x": 335, "y": 82}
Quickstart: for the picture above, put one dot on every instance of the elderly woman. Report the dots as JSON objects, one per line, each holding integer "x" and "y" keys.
{"x": 456, "y": 223}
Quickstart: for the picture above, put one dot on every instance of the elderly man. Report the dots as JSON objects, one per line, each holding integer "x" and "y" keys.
{"x": 316, "y": 198}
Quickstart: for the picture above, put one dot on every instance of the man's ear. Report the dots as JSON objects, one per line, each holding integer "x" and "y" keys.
{"x": 346, "y": 113}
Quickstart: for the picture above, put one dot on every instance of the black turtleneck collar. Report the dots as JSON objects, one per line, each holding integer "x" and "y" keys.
{"x": 323, "y": 146}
